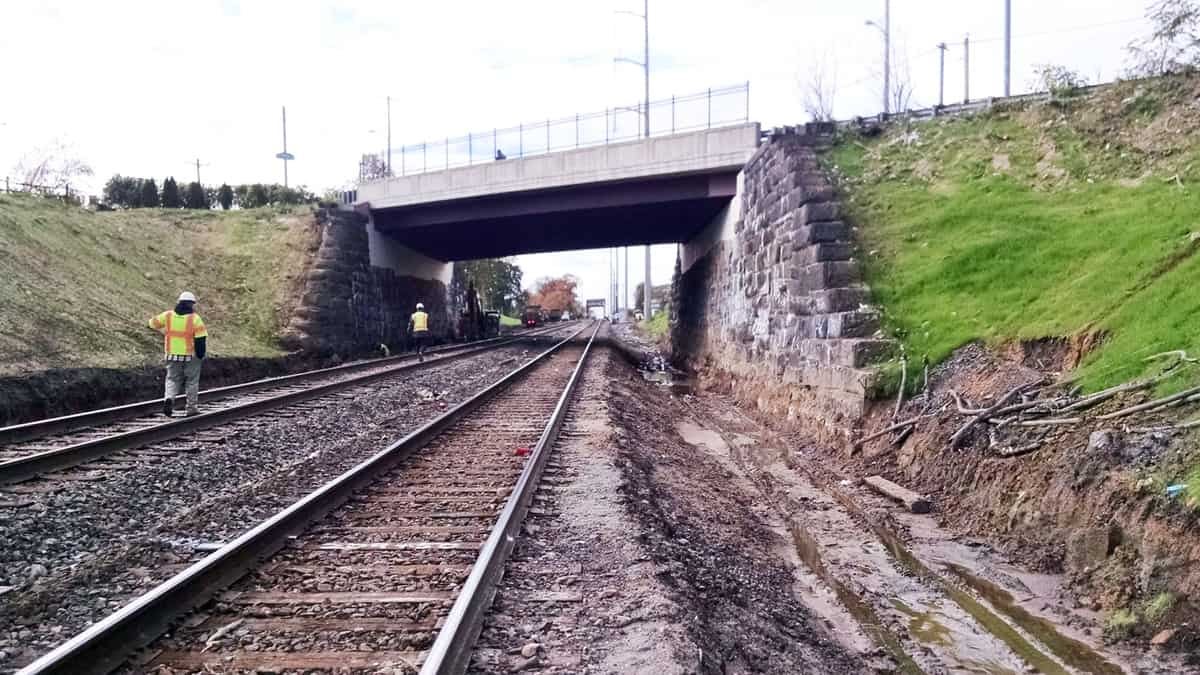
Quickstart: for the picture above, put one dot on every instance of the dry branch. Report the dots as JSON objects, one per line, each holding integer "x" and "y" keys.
{"x": 895, "y": 427}
{"x": 959, "y": 435}
{"x": 1185, "y": 394}
{"x": 1058, "y": 421}
{"x": 903, "y": 383}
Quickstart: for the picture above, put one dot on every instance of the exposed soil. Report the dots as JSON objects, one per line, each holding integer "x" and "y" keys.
{"x": 1089, "y": 504}
{"x": 712, "y": 546}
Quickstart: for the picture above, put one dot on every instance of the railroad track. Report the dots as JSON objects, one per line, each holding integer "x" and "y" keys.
{"x": 37, "y": 448}
{"x": 389, "y": 566}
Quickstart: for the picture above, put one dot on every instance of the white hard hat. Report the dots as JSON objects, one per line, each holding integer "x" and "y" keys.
{"x": 420, "y": 305}
{"x": 186, "y": 296}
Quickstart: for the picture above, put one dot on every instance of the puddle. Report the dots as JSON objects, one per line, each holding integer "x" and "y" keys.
{"x": 695, "y": 434}
{"x": 679, "y": 383}
{"x": 1069, "y": 650}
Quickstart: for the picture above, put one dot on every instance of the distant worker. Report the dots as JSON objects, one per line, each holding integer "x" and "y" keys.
{"x": 184, "y": 344}
{"x": 500, "y": 155}
{"x": 418, "y": 328}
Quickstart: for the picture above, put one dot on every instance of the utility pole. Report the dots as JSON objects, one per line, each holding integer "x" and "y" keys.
{"x": 886, "y": 29}
{"x": 941, "y": 74}
{"x": 1007, "y": 47}
{"x": 967, "y": 69}
{"x": 197, "y": 164}
{"x": 285, "y": 155}
{"x": 625, "y": 295}
{"x": 389, "y": 135}
{"x": 887, "y": 55}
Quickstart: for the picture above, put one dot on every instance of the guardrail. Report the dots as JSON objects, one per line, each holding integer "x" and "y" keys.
{"x": 718, "y": 107}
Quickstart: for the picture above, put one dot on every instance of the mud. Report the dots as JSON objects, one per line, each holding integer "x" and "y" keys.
{"x": 716, "y": 551}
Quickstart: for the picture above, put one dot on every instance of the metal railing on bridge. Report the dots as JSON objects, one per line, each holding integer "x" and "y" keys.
{"x": 718, "y": 107}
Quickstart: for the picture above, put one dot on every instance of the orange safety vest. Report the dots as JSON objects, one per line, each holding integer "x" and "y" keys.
{"x": 420, "y": 321}
{"x": 179, "y": 332}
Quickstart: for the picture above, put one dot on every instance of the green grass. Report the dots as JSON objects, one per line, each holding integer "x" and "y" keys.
{"x": 79, "y": 286}
{"x": 506, "y": 320}
{"x": 656, "y": 327}
{"x": 1121, "y": 624}
{"x": 1036, "y": 223}
{"x": 1157, "y": 608}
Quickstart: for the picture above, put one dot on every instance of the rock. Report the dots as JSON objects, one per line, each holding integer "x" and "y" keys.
{"x": 525, "y": 665}
{"x": 1104, "y": 441}
{"x": 37, "y": 570}
{"x": 530, "y": 650}
{"x": 1163, "y": 637}
{"x": 1087, "y": 548}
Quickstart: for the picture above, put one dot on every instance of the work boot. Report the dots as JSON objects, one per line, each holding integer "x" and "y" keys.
{"x": 168, "y": 407}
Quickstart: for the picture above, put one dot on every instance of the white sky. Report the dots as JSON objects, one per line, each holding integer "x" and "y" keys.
{"x": 144, "y": 87}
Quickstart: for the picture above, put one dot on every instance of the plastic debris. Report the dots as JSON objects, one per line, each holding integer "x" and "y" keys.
{"x": 1175, "y": 490}
{"x": 521, "y": 452}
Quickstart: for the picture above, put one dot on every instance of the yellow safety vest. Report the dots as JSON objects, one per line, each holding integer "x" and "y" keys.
{"x": 420, "y": 321}
{"x": 179, "y": 332}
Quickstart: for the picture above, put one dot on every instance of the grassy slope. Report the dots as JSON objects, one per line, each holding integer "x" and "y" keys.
{"x": 1049, "y": 221}
{"x": 79, "y": 286}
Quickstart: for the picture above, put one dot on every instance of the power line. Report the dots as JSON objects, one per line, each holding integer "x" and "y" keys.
{"x": 1060, "y": 31}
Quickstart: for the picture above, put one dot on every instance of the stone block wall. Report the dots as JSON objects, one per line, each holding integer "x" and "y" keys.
{"x": 778, "y": 315}
{"x": 350, "y": 307}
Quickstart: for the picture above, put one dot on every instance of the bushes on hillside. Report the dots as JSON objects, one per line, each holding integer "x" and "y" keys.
{"x": 126, "y": 192}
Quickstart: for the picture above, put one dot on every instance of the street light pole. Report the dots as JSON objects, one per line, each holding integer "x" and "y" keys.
{"x": 1007, "y": 47}
{"x": 886, "y": 29}
{"x": 887, "y": 56}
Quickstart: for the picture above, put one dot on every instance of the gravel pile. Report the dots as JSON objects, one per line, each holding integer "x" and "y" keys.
{"x": 76, "y": 554}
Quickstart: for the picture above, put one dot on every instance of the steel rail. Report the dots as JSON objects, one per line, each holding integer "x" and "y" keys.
{"x": 451, "y": 650}
{"x": 31, "y": 466}
{"x": 25, "y": 431}
{"x": 105, "y": 645}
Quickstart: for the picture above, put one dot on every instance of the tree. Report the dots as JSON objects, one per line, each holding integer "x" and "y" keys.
{"x": 123, "y": 192}
{"x": 195, "y": 197}
{"x": 902, "y": 86}
{"x": 1173, "y": 44}
{"x": 170, "y": 194}
{"x": 51, "y": 168}
{"x": 819, "y": 89}
{"x": 497, "y": 282}
{"x": 225, "y": 196}
{"x": 372, "y": 167}
{"x": 557, "y": 293}
{"x": 149, "y": 196}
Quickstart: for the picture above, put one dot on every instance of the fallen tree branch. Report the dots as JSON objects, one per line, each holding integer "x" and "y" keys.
{"x": 1101, "y": 396}
{"x": 1057, "y": 421}
{"x": 1182, "y": 356}
{"x": 895, "y": 427}
{"x": 959, "y": 435}
{"x": 1020, "y": 450}
{"x": 1187, "y": 393}
{"x": 903, "y": 383}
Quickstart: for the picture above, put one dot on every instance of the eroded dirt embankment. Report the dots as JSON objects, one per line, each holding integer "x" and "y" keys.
{"x": 1087, "y": 500}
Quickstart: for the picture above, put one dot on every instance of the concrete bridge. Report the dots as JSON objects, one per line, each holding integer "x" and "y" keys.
{"x": 649, "y": 191}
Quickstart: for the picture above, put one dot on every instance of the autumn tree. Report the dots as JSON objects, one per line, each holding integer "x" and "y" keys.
{"x": 558, "y": 293}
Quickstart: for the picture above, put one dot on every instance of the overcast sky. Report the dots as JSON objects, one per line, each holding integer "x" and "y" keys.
{"x": 144, "y": 87}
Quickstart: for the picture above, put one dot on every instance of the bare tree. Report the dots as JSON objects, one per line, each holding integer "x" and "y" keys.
{"x": 820, "y": 88}
{"x": 1173, "y": 45}
{"x": 902, "y": 82}
{"x": 372, "y": 167}
{"x": 52, "y": 167}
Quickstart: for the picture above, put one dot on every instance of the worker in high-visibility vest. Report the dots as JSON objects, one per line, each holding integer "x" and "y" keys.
{"x": 185, "y": 340}
{"x": 418, "y": 328}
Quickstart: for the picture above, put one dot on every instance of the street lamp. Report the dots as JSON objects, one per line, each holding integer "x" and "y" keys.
{"x": 886, "y": 29}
